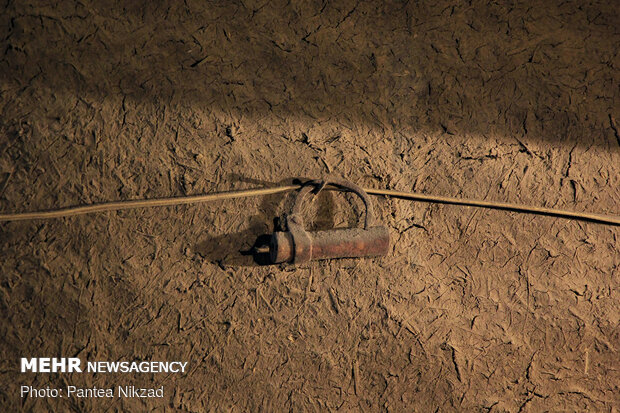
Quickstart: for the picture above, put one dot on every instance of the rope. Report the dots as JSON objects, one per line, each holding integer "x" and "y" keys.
{"x": 582, "y": 216}
{"x": 160, "y": 202}
{"x": 144, "y": 203}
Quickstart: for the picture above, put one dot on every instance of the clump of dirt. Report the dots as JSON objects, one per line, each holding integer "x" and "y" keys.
{"x": 471, "y": 310}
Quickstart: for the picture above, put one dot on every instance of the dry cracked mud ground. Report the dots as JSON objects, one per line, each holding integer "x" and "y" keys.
{"x": 472, "y": 309}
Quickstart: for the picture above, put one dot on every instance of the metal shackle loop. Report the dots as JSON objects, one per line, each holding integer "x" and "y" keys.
{"x": 317, "y": 185}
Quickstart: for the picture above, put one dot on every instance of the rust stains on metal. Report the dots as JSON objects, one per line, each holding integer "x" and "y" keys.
{"x": 298, "y": 245}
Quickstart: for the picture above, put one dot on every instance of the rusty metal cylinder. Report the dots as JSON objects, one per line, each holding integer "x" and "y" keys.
{"x": 298, "y": 245}
{"x": 335, "y": 243}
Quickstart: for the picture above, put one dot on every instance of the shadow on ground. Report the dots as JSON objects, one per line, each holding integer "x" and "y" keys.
{"x": 427, "y": 67}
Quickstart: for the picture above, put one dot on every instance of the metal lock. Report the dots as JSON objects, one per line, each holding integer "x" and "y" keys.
{"x": 298, "y": 245}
